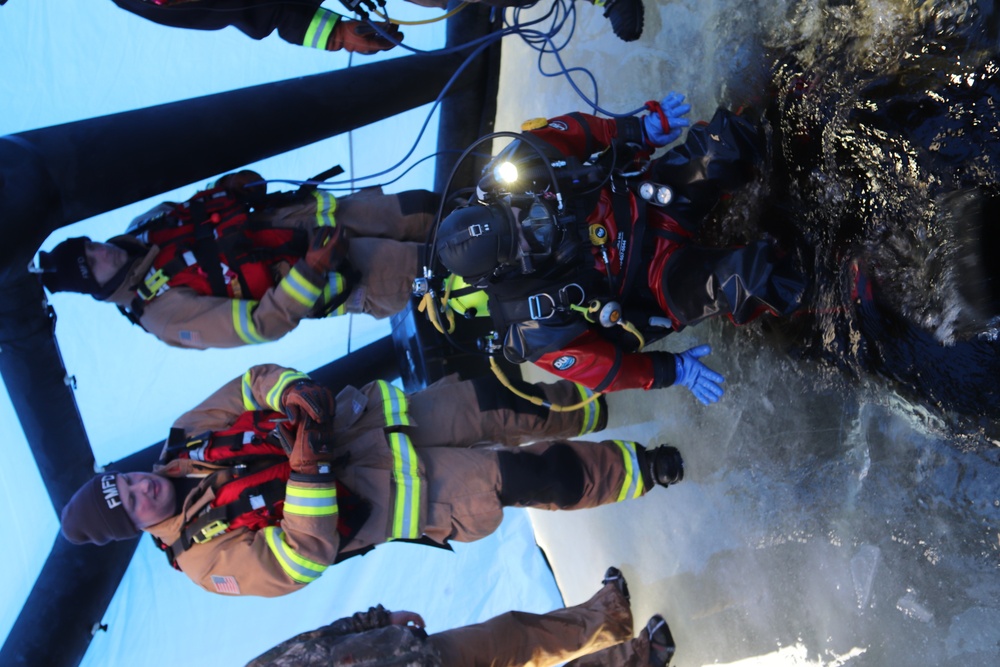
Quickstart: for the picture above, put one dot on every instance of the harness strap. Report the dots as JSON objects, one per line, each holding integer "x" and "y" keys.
{"x": 670, "y": 236}
{"x": 216, "y": 521}
{"x": 588, "y": 135}
{"x": 623, "y": 219}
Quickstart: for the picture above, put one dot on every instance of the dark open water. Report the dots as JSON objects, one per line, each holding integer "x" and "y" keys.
{"x": 854, "y": 464}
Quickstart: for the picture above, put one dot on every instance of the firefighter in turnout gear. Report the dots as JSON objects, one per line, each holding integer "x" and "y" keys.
{"x": 307, "y": 23}
{"x": 235, "y": 266}
{"x": 584, "y": 248}
{"x": 271, "y": 479}
{"x": 301, "y": 22}
{"x": 596, "y": 633}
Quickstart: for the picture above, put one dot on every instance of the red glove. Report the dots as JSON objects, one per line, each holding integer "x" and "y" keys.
{"x": 360, "y": 37}
{"x": 305, "y": 401}
{"x": 327, "y": 250}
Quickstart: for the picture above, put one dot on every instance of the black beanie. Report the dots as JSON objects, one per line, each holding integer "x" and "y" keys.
{"x": 95, "y": 515}
{"x": 65, "y": 269}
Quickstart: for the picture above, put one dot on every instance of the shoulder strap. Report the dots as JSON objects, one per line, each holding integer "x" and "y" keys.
{"x": 216, "y": 521}
{"x": 623, "y": 220}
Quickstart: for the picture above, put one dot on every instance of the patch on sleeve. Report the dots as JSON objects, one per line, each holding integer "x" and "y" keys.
{"x": 189, "y": 336}
{"x": 564, "y": 362}
{"x": 558, "y": 125}
{"x": 225, "y": 584}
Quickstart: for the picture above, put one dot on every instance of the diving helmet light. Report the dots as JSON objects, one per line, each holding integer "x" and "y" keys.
{"x": 505, "y": 172}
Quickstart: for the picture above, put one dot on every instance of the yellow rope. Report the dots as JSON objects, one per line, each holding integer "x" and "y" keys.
{"x": 424, "y": 21}
{"x": 534, "y": 399}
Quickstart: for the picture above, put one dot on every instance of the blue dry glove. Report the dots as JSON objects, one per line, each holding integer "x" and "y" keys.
{"x": 696, "y": 376}
{"x": 673, "y": 109}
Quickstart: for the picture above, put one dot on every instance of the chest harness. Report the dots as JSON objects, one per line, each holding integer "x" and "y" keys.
{"x": 250, "y": 491}
{"x": 208, "y": 244}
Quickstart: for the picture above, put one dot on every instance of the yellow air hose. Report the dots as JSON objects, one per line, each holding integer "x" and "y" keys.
{"x": 534, "y": 400}
{"x": 424, "y": 21}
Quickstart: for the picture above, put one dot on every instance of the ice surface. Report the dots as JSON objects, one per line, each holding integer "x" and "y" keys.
{"x": 822, "y": 520}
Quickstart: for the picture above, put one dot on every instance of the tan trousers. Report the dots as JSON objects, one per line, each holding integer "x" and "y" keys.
{"x": 597, "y": 632}
{"x": 463, "y": 486}
{"x": 385, "y": 246}
{"x": 456, "y": 413}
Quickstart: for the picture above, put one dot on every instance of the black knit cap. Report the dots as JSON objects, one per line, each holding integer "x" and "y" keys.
{"x": 65, "y": 269}
{"x": 95, "y": 514}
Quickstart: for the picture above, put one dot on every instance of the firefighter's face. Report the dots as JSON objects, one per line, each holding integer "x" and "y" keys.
{"x": 105, "y": 260}
{"x": 148, "y": 498}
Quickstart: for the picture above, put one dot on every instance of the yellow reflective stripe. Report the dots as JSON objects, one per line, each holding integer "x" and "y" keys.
{"x": 394, "y": 405}
{"x": 632, "y": 486}
{"x": 301, "y": 290}
{"x": 243, "y": 322}
{"x": 273, "y": 397}
{"x": 249, "y": 402}
{"x": 310, "y": 501}
{"x": 320, "y": 28}
{"x": 591, "y": 411}
{"x": 326, "y": 204}
{"x": 406, "y": 504}
{"x": 301, "y": 570}
{"x": 335, "y": 286}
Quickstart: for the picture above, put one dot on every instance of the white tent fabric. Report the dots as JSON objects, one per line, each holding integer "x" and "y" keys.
{"x": 67, "y": 60}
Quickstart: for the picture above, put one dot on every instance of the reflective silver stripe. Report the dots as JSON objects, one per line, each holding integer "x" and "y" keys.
{"x": 301, "y": 570}
{"x": 309, "y": 501}
{"x": 284, "y": 380}
{"x": 326, "y": 204}
{"x": 244, "y": 324}
{"x": 320, "y": 28}
{"x": 632, "y": 486}
{"x": 406, "y": 505}
{"x": 591, "y": 411}
{"x": 394, "y": 405}
{"x": 249, "y": 402}
{"x": 301, "y": 290}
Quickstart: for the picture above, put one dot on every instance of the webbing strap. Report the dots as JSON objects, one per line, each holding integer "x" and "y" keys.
{"x": 623, "y": 220}
{"x": 216, "y": 520}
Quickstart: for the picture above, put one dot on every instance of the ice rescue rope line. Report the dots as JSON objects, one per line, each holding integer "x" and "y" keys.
{"x": 534, "y": 400}
{"x": 422, "y": 22}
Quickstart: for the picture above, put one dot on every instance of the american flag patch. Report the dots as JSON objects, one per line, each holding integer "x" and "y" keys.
{"x": 226, "y": 584}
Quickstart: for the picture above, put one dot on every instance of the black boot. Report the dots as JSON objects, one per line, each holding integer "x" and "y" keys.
{"x": 626, "y": 18}
{"x": 661, "y": 642}
{"x": 664, "y": 465}
{"x": 615, "y": 576}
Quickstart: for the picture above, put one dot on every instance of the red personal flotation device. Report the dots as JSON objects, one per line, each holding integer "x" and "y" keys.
{"x": 254, "y": 495}
{"x": 209, "y": 245}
